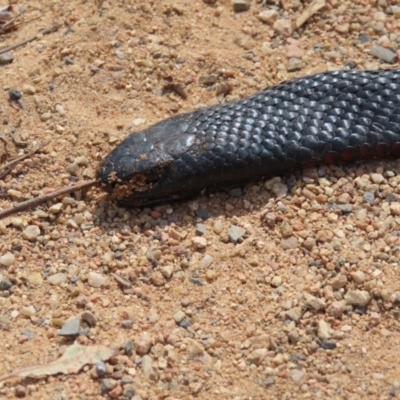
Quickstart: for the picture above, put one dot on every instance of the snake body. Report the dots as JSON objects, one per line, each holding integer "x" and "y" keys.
{"x": 330, "y": 117}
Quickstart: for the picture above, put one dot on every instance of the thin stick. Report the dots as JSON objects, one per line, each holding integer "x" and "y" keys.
{"x": 41, "y": 199}
{"x": 25, "y": 41}
{"x": 7, "y": 166}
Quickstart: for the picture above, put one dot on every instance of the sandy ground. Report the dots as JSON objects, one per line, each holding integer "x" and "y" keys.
{"x": 302, "y": 304}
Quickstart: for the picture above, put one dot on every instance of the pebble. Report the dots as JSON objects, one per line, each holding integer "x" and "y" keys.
{"x": 276, "y": 281}
{"x": 28, "y": 311}
{"x": 5, "y": 284}
{"x": 206, "y": 261}
{"x": 199, "y": 243}
{"x": 294, "y": 51}
{"x": 297, "y": 375}
{"x": 289, "y": 243}
{"x": 369, "y": 198}
{"x": 167, "y": 271}
{"x": 89, "y": 318}
{"x": 56, "y": 208}
{"x": 358, "y": 276}
{"x": 268, "y": 16}
{"x": 294, "y": 64}
{"x": 283, "y": 27}
{"x": 138, "y": 121}
{"x": 7, "y": 259}
{"x": 6, "y": 58}
{"x": 384, "y": 54}
{"x": 235, "y": 233}
{"x": 157, "y": 278}
{"x": 201, "y": 229}
{"x": 240, "y": 5}
{"x": 324, "y": 330}
{"x": 28, "y": 89}
{"x": 357, "y": 298}
{"x": 96, "y": 280}
{"x": 143, "y": 344}
{"x": 57, "y": 279}
{"x": 147, "y": 367}
{"x": 31, "y": 232}
{"x": 4, "y": 323}
{"x": 60, "y": 109}
{"x": 70, "y": 328}
{"x": 257, "y": 356}
{"x": 179, "y": 316}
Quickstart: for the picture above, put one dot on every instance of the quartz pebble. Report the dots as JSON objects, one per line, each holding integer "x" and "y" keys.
{"x": 96, "y": 280}
{"x": 31, "y": 232}
{"x": 7, "y": 259}
{"x": 357, "y": 298}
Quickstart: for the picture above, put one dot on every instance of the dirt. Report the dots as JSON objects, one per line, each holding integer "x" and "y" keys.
{"x": 284, "y": 289}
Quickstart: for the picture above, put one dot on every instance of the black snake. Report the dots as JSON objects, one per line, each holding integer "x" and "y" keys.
{"x": 325, "y": 118}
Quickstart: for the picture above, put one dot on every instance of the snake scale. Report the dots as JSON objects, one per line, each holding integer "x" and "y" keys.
{"x": 330, "y": 117}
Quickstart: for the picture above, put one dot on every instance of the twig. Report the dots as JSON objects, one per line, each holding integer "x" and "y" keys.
{"x": 25, "y": 41}
{"x": 7, "y": 166}
{"x": 49, "y": 196}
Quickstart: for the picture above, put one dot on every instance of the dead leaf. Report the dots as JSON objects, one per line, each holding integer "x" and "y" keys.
{"x": 71, "y": 362}
{"x": 313, "y": 8}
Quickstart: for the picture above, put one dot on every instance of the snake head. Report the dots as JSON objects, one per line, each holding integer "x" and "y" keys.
{"x": 139, "y": 170}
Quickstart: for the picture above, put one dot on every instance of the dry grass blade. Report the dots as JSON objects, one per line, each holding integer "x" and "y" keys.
{"x": 41, "y": 199}
{"x": 6, "y": 167}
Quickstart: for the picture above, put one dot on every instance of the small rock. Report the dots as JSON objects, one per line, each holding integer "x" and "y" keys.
{"x": 268, "y": 16}
{"x": 369, "y": 198}
{"x": 147, "y": 367}
{"x": 45, "y": 116}
{"x": 283, "y": 27}
{"x": 294, "y": 64}
{"x": 257, "y": 356}
{"x": 57, "y": 279}
{"x": 5, "y": 284}
{"x": 315, "y": 303}
{"x": 339, "y": 281}
{"x": 336, "y": 309}
{"x": 60, "y": 109}
{"x": 289, "y": 243}
{"x": 384, "y": 54}
{"x": 96, "y": 280}
{"x": 28, "y": 311}
{"x": 358, "y": 276}
{"x": 143, "y": 344}
{"x": 201, "y": 229}
{"x": 70, "y": 328}
{"x": 6, "y": 58}
{"x": 294, "y": 51}
{"x": 56, "y": 208}
{"x": 276, "y": 281}
{"x": 205, "y": 262}
{"x": 357, "y": 298}
{"x": 157, "y": 278}
{"x": 236, "y": 233}
{"x": 20, "y": 391}
{"x": 199, "y": 243}
{"x": 395, "y": 208}
{"x": 138, "y": 121}
{"x": 178, "y": 316}
{"x": 324, "y": 330}
{"x": 28, "y": 89}
{"x": 89, "y": 318}
{"x": 279, "y": 189}
{"x": 240, "y": 5}
{"x": 31, "y": 232}
{"x": 167, "y": 271}
{"x": 4, "y": 323}
{"x": 297, "y": 375}
{"x": 309, "y": 243}
{"x": 7, "y": 259}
